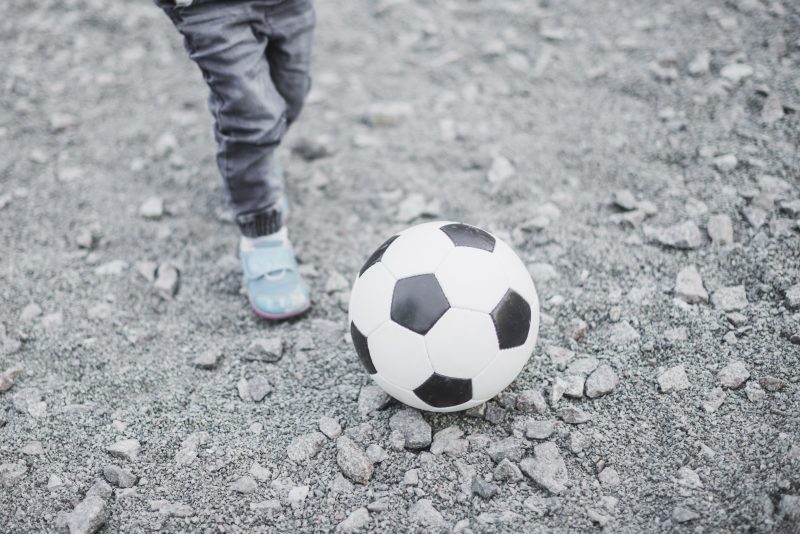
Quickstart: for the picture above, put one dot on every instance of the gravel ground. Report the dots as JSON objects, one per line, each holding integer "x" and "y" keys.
{"x": 642, "y": 158}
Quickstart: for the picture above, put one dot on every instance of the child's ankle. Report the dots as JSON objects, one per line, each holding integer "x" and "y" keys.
{"x": 249, "y": 243}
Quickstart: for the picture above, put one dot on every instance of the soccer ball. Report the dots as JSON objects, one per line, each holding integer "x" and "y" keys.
{"x": 444, "y": 316}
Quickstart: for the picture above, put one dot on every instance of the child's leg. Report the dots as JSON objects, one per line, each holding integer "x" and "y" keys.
{"x": 289, "y": 52}
{"x": 229, "y": 41}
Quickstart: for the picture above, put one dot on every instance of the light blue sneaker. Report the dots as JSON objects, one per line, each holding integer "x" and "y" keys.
{"x": 274, "y": 285}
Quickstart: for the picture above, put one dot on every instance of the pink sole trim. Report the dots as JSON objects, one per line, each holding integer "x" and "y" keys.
{"x": 272, "y": 317}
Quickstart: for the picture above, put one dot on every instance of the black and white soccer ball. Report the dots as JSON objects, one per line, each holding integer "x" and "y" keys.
{"x": 444, "y": 316}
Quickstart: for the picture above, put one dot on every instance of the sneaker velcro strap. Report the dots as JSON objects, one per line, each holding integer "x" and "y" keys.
{"x": 260, "y": 262}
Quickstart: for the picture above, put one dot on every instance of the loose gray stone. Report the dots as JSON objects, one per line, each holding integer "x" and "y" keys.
{"x": 305, "y": 447}
{"x": 501, "y": 170}
{"x": 689, "y": 478}
{"x": 207, "y": 359}
{"x": 152, "y": 208}
{"x": 560, "y": 356}
{"x": 255, "y": 389}
{"x": 29, "y": 401}
{"x": 495, "y": 414}
{"x": 689, "y": 286}
{"x": 478, "y": 412}
{"x": 371, "y": 399}
{"x": 170, "y": 509}
{"x": 729, "y": 299}
{"x": 265, "y": 350}
{"x": 376, "y": 453}
{"x": 423, "y": 513}
{"x": 357, "y": 520}
{"x": 118, "y": 476}
{"x": 682, "y": 514}
{"x": 29, "y": 313}
{"x": 112, "y": 268}
{"x": 733, "y": 375}
{"x": 352, "y": 460}
{"x": 625, "y": 200}
{"x": 88, "y": 516}
{"x": 507, "y": 471}
{"x": 685, "y": 235}
{"x": 673, "y": 379}
{"x": 576, "y": 329}
{"x": 573, "y": 415}
{"x": 411, "y": 477}
{"x": 483, "y": 489}
{"x": 85, "y": 239}
{"x": 726, "y": 162}
{"x": 771, "y": 383}
{"x": 601, "y": 382}
{"x": 572, "y": 385}
{"x": 297, "y": 496}
{"x": 713, "y": 400}
{"x": 510, "y": 447}
{"x": 583, "y": 366}
{"x": 793, "y": 297}
{"x": 54, "y": 482}
{"x": 720, "y": 229}
{"x": 539, "y": 429}
{"x": 127, "y": 449}
{"x": 381, "y": 505}
{"x": 416, "y": 431}
{"x": 531, "y": 400}
{"x": 547, "y": 468}
{"x": 448, "y": 441}
{"x": 557, "y": 390}
{"x": 52, "y": 321}
{"x": 622, "y": 333}
{"x": 270, "y": 505}
{"x": 578, "y": 441}
{"x": 11, "y": 473}
{"x": 330, "y": 427}
{"x": 789, "y": 509}
{"x": 387, "y": 114}
{"x": 34, "y": 448}
{"x": 166, "y": 283}
{"x": 736, "y": 72}
{"x": 340, "y": 485}
{"x": 244, "y": 484}
{"x": 755, "y": 216}
{"x": 188, "y": 450}
{"x": 260, "y": 473}
{"x": 609, "y": 478}
{"x": 101, "y": 489}
{"x": 754, "y": 392}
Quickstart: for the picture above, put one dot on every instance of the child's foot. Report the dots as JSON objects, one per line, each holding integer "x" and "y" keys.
{"x": 274, "y": 285}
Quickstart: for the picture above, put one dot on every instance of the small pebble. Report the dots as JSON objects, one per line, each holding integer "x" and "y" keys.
{"x": 127, "y": 449}
{"x": 539, "y": 429}
{"x": 244, "y": 484}
{"x": 609, "y": 478}
{"x": 330, "y": 427}
{"x": 416, "y": 431}
{"x": 352, "y": 460}
{"x": 118, "y": 476}
{"x": 673, "y": 379}
{"x": 573, "y": 415}
{"x": 733, "y": 375}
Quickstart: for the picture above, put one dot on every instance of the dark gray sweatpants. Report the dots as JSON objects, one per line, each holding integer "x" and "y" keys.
{"x": 255, "y": 57}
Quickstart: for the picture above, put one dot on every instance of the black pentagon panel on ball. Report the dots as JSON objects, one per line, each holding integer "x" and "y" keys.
{"x": 418, "y": 302}
{"x": 512, "y": 320}
{"x": 377, "y": 255}
{"x": 442, "y": 391}
{"x": 464, "y": 235}
{"x": 362, "y": 348}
